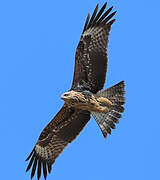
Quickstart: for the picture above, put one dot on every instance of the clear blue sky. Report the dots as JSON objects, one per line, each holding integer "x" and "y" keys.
{"x": 37, "y": 45}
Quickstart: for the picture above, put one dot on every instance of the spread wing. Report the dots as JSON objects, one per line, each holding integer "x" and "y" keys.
{"x": 91, "y": 53}
{"x": 63, "y": 129}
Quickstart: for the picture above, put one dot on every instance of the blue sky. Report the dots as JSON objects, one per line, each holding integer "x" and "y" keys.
{"x": 37, "y": 45}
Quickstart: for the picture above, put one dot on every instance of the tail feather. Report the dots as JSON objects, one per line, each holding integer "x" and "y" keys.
{"x": 107, "y": 121}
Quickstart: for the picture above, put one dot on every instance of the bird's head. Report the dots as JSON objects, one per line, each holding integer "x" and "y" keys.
{"x": 72, "y": 97}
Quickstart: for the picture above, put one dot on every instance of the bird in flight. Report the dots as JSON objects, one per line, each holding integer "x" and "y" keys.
{"x": 85, "y": 97}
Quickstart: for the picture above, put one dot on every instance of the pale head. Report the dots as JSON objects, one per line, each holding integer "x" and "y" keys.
{"x": 72, "y": 97}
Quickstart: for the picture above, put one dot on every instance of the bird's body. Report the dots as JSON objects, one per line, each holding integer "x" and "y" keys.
{"x": 86, "y": 100}
{"x": 85, "y": 97}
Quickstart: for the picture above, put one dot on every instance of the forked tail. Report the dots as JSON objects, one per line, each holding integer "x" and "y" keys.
{"x": 107, "y": 121}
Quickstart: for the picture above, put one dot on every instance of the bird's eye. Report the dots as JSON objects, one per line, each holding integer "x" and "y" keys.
{"x": 66, "y": 95}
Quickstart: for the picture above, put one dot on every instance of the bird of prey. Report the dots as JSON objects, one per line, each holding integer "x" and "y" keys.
{"x": 85, "y": 97}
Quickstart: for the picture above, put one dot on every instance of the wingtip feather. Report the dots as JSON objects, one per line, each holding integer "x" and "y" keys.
{"x": 49, "y": 168}
{"x": 109, "y": 17}
{"x": 104, "y": 15}
{"x": 44, "y": 170}
{"x": 30, "y": 163}
{"x": 34, "y": 168}
{"x": 39, "y": 170}
{"x": 100, "y": 18}
{"x": 86, "y": 23}
{"x": 99, "y": 13}
{"x": 93, "y": 16}
{"x": 30, "y": 155}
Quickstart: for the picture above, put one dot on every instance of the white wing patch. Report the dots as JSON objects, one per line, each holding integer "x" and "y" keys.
{"x": 41, "y": 151}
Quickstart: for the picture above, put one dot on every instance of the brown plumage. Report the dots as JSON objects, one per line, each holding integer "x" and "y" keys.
{"x": 84, "y": 98}
{"x": 91, "y": 55}
{"x": 62, "y": 129}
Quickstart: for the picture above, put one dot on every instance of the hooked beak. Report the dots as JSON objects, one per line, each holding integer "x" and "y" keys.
{"x": 64, "y": 96}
